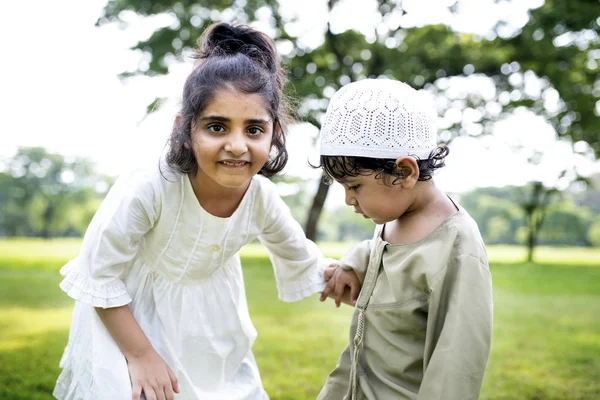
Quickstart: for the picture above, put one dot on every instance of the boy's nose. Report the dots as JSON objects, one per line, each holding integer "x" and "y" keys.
{"x": 350, "y": 200}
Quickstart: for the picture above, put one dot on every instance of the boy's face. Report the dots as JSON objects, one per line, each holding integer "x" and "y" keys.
{"x": 374, "y": 199}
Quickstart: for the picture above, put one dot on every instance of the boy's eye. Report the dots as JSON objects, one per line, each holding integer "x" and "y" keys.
{"x": 353, "y": 187}
{"x": 254, "y": 131}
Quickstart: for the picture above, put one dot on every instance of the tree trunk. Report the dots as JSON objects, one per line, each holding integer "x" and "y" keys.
{"x": 315, "y": 211}
{"x": 47, "y": 221}
{"x": 531, "y": 237}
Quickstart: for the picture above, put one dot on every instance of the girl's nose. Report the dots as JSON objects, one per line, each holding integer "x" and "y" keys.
{"x": 236, "y": 144}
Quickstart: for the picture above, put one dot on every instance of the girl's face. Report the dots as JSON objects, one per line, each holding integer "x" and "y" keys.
{"x": 375, "y": 200}
{"x": 231, "y": 138}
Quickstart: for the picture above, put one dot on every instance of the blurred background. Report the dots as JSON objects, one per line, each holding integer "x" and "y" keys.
{"x": 90, "y": 89}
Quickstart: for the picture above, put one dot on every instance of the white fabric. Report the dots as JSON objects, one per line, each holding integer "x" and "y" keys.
{"x": 152, "y": 246}
{"x": 378, "y": 118}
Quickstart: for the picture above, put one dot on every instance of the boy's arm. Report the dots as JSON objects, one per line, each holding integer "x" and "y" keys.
{"x": 343, "y": 284}
{"x": 338, "y": 382}
{"x": 459, "y": 329}
{"x": 357, "y": 259}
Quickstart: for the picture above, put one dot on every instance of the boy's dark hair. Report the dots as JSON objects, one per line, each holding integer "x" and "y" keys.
{"x": 340, "y": 167}
{"x": 237, "y": 57}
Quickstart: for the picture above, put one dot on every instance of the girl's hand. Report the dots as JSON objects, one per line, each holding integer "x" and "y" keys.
{"x": 342, "y": 285}
{"x": 151, "y": 375}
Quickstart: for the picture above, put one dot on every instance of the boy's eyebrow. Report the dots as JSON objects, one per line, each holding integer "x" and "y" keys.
{"x": 219, "y": 118}
{"x": 344, "y": 181}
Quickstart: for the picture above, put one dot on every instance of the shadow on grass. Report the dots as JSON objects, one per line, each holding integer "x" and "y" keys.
{"x": 30, "y": 372}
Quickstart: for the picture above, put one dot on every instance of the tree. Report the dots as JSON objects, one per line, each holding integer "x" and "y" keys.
{"x": 594, "y": 233}
{"x": 554, "y": 47}
{"x": 566, "y": 225}
{"x": 44, "y": 194}
{"x": 534, "y": 204}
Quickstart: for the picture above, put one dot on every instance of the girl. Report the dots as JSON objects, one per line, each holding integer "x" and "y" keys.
{"x": 423, "y": 321}
{"x": 161, "y": 307}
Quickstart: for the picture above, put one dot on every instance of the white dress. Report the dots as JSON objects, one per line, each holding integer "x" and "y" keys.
{"x": 152, "y": 246}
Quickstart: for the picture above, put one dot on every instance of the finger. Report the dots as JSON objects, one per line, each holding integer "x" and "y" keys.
{"x": 327, "y": 274}
{"x": 328, "y": 289}
{"x": 160, "y": 391}
{"x": 174, "y": 382}
{"x": 136, "y": 392}
{"x": 150, "y": 393}
{"x": 354, "y": 292}
{"x": 337, "y": 303}
{"x": 338, "y": 292}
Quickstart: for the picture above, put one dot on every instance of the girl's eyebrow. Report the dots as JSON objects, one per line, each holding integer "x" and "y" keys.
{"x": 214, "y": 118}
{"x": 225, "y": 119}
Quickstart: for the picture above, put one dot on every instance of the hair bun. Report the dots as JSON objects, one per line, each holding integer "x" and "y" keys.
{"x": 223, "y": 39}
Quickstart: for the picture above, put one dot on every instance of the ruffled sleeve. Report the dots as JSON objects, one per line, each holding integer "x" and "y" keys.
{"x": 298, "y": 263}
{"x": 111, "y": 241}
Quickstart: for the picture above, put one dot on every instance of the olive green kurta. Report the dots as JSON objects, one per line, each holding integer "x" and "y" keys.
{"x": 423, "y": 321}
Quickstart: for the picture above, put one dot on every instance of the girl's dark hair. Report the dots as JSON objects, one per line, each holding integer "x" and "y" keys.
{"x": 238, "y": 57}
{"x": 340, "y": 167}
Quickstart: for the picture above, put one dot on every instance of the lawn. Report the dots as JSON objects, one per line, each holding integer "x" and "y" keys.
{"x": 546, "y": 335}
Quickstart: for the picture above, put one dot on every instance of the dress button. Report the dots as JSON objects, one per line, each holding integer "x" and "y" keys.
{"x": 215, "y": 248}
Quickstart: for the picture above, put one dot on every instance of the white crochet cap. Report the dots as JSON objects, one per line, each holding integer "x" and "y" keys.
{"x": 378, "y": 118}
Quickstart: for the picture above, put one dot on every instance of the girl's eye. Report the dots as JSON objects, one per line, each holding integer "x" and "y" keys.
{"x": 354, "y": 187}
{"x": 254, "y": 131}
{"x": 216, "y": 128}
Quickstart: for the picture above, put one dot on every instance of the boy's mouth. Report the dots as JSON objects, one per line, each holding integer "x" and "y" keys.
{"x": 357, "y": 211}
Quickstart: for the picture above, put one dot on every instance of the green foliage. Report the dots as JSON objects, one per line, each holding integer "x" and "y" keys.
{"x": 44, "y": 194}
{"x": 342, "y": 224}
{"x": 497, "y": 215}
{"x": 500, "y": 216}
{"x": 558, "y": 47}
{"x": 559, "y": 43}
{"x": 594, "y": 233}
{"x": 544, "y": 347}
{"x": 565, "y": 225}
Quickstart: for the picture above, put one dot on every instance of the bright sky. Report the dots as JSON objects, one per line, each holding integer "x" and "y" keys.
{"x": 59, "y": 85}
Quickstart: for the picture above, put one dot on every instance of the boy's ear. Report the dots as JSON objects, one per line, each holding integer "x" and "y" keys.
{"x": 409, "y": 169}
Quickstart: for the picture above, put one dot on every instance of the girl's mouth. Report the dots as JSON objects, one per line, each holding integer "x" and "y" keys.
{"x": 233, "y": 163}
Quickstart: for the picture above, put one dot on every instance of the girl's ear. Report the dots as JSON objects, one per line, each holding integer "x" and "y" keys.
{"x": 277, "y": 129}
{"x": 277, "y": 132}
{"x": 178, "y": 122}
{"x": 409, "y": 169}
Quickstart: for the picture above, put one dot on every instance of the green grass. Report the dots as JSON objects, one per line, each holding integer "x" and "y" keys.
{"x": 546, "y": 341}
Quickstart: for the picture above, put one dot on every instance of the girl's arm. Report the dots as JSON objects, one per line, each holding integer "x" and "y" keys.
{"x": 297, "y": 262}
{"x": 149, "y": 373}
{"x": 95, "y": 277}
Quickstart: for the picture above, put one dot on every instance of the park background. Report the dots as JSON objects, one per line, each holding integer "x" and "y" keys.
{"x": 90, "y": 90}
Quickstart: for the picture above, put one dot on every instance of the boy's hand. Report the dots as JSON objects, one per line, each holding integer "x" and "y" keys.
{"x": 342, "y": 285}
